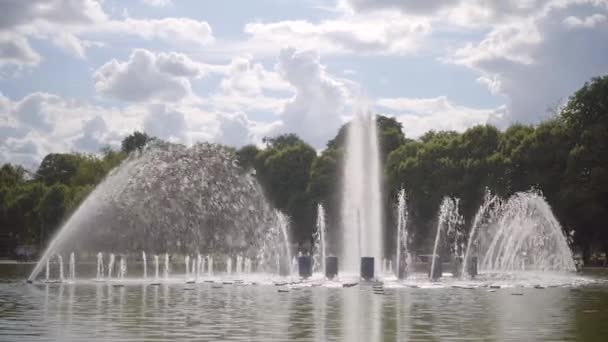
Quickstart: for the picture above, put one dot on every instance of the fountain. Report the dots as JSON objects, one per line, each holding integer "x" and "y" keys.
{"x": 362, "y": 231}
{"x": 201, "y": 264}
{"x": 525, "y": 236}
{"x": 449, "y": 221}
{"x": 402, "y": 263}
{"x": 72, "y": 268}
{"x": 145, "y": 262}
{"x": 187, "y": 262}
{"x": 487, "y": 211}
{"x": 156, "y": 266}
{"x": 166, "y": 268}
{"x": 60, "y": 261}
{"x": 319, "y": 249}
{"x": 228, "y": 265}
{"x": 210, "y": 265}
{"x": 48, "y": 270}
{"x": 170, "y": 194}
{"x": 100, "y": 270}
{"x": 111, "y": 265}
{"x": 123, "y": 267}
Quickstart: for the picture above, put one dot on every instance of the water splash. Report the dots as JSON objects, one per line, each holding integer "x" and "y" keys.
{"x": 111, "y": 265}
{"x": 402, "y": 235}
{"x": 72, "y": 269}
{"x": 210, "y": 265}
{"x": 487, "y": 212}
{"x": 449, "y": 221}
{"x": 320, "y": 247}
{"x": 362, "y": 231}
{"x": 156, "y": 266}
{"x": 166, "y": 268}
{"x": 170, "y": 197}
{"x": 145, "y": 262}
{"x": 123, "y": 267}
{"x": 526, "y": 236}
{"x": 100, "y": 270}
{"x": 60, "y": 262}
{"x": 187, "y": 262}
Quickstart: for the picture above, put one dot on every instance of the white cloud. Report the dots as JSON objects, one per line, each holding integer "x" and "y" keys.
{"x": 183, "y": 31}
{"x": 586, "y": 22}
{"x": 166, "y": 124}
{"x": 15, "y": 49}
{"x": 315, "y": 112}
{"x": 146, "y": 76}
{"x": 64, "y": 22}
{"x": 420, "y": 115}
{"x": 157, "y": 3}
{"x": 541, "y": 60}
{"x": 385, "y": 33}
{"x": 94, "y": 135}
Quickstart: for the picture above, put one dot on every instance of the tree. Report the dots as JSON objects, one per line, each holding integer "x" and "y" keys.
{"x": 586, "y": 181}
{"x": 134, "y": 141}
{"x": 11, "y": 175}
{"x": 246, "y": 156}
{"x": 58, "y": 168}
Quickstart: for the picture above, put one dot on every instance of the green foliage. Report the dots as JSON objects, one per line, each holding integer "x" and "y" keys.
{"x": 134, "y": 141}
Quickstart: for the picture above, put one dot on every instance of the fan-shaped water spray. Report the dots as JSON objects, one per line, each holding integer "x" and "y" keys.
{"x": 526, "y": 236}
{"x": 171, "y": 198}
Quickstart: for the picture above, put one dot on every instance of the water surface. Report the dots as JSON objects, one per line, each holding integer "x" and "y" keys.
{"x": 230, "y": 312}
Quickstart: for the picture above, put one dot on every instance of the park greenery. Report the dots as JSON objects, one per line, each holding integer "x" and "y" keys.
{"x": 565, "y": 157}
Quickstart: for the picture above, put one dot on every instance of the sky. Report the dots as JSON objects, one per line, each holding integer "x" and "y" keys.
{"x": 78, "y": 75}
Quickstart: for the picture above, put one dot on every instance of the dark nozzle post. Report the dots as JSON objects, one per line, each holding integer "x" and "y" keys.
{"x": 472, "y": 267}
{"x": 457, "y": 267}
{"x": 305, "y": 266}
{"x": 331, "y": 267}
{"x": 367, "y": 268}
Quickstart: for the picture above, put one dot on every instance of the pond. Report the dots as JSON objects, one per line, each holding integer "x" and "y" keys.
{"x": 234, "y": 311}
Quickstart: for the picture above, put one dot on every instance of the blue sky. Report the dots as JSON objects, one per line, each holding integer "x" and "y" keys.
{"x": 76, "y": 75}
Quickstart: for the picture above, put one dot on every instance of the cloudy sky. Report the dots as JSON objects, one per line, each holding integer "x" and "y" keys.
{"x": 76, "y": 75}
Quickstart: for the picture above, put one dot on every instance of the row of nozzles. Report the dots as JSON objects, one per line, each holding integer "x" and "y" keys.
{"x": 195, "y": 267}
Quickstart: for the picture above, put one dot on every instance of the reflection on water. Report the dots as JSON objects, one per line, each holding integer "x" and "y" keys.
{"x": 98, "y": 311}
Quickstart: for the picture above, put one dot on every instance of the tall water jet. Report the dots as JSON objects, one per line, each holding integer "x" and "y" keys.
{"x": 166, "y": 268}
{"x": 100, "y": 271}
{"x": 449, "y": 218}
{"x": 111, "y": 265}
{"x": 123, "y": 267}
{"x": 283, "y": 222}
{"x": 484, "y": 215}
{"x": 72, "y": 269}
{"x": 194, "y": 269}
{"x": 201, "y": 264}
{"x": 187, "y": 262}
{"x": 209, "y": 265}
{"x": 362, "y": 231}
{"x": 48, "y": 270}
{"x": 239, "y": 264}
{"x": 402, "y": 236}
{"x": 320, "y": 249}
{"x": 169, "y": 197}
{"x": 156, "y": 266}
{"x": 60, "y": 261}
{"x": 145, "y": 262}
{"x": 526, "y": 236}
{"x": 228, "y": 265}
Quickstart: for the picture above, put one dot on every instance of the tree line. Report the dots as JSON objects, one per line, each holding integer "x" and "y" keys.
{"x": 565, "y": 157}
